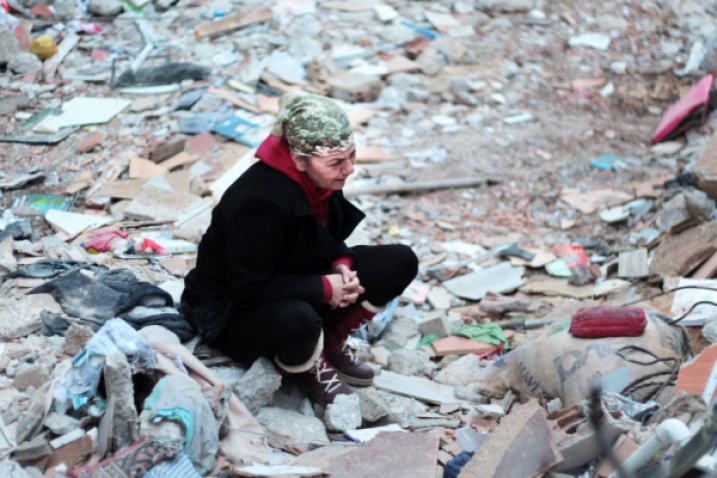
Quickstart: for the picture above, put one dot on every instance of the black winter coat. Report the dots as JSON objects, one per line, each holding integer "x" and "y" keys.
{"x": 264, "y": 244}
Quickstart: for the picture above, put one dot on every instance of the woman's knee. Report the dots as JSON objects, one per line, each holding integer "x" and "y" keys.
{"x": 303, "y": 321}
{"x": 407, "y": 261}
{"x": 299, "y": 334}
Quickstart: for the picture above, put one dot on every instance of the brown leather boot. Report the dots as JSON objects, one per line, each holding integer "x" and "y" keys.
{"x": 336, "y": 349}
{"x": 322, "y": 383}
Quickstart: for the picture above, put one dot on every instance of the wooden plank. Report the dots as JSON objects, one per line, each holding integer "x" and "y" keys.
{"x": 177, "y": 160}
{"x": 50, "y": 67}
{"x": 232, "y": 23}
{"x": 708, "y": 269}
{"x": 633, "y": 264}
{"x": 415, "y": 387}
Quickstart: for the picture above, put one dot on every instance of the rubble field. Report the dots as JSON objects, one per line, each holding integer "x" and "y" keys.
{"x": 552, "y": 164}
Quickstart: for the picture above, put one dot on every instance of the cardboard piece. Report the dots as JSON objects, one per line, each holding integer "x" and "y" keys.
{"x": 708, "y": 269}
{"x": 553, "y": 286}
{"x": 140, "y": 168}
{"x": 181, "y": 159}
{"x": 72, "y": 223}
{"x": 633, "y": 264}
{"x": 80, "y": 111}
{"x": 678, "y": 254}
{"x": 591, "y": 201}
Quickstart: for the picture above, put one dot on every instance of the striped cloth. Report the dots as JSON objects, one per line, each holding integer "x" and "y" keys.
{"x": 181, "y": 467}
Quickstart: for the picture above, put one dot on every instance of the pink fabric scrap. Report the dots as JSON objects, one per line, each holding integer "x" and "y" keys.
{"x": 100, "y": 241}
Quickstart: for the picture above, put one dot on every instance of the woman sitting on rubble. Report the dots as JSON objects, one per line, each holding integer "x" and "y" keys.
{"x": 274, "y": 277}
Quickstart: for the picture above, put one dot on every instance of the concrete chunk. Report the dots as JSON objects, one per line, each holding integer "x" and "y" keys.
{"x": 299, "y": 428}
{"x": 685, "y": 210}
{"x": 19, "y": 318}
{"x": 411, "y": 362}
{"x": 344, "y": 413}
{"x": 118, "y": 383}
{"x": 435, "y": 323}
{"x": 355, "y": 87}
{"x": 76, "y": 338}
{"x": 35, "y": 376}
{"x": 373, "y": 404}
{"x": 157, "y": 204}
{"x": 258, "y": 385}
{"x": 60, "y": 424}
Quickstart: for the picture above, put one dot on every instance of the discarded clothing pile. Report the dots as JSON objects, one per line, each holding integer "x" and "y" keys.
{"x": 115, "y": 293}
{"x": 46, "y": 268}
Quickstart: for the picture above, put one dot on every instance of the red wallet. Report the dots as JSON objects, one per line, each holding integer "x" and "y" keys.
{"x": 603, "y": 321}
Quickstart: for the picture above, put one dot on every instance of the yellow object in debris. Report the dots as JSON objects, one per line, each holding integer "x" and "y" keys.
{"x": 43, "y": 47}
{"x": 394, "y": 231}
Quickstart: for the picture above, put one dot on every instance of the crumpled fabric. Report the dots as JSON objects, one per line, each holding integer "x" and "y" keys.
{"x": 181, "y": 467}
{"x": 237, "y": 446}
{"x": 139, "y": 318}
{"x": 79, "y": 385}
{"x": 46, "y": 268}
{"x": 181, "y": 400}
{"x": 314, "y": 125}
{"x": 106, "y": 241}
{"x": 132, "y": 462}
{"x": 113, "y": 293}
{"x": 640, "y": 412}
{"x": 491, "y": 334}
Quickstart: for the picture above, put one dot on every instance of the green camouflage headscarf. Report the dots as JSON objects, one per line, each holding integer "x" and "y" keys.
{"x": 314, "y": 125}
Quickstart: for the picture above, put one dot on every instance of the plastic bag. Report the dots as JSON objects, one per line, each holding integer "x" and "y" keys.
{"x": 115, "y": 337}
{"x": 378, "y": 323}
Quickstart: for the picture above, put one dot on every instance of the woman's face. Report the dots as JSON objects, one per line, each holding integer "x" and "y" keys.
{"x": 328, "y": 172}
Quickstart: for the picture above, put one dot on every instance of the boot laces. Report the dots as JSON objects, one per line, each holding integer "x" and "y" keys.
{"x": 332, "y": 383}
{"x": 345, "y": 347}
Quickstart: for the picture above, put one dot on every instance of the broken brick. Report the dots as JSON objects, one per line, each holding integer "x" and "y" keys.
{"x": 90, "y": 143}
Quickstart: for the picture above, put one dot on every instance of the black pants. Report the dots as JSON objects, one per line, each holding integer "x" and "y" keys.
{"x": 289, "y": 329}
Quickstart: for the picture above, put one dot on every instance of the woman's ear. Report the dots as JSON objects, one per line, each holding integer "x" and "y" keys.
{"x": 299, "y": 162}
